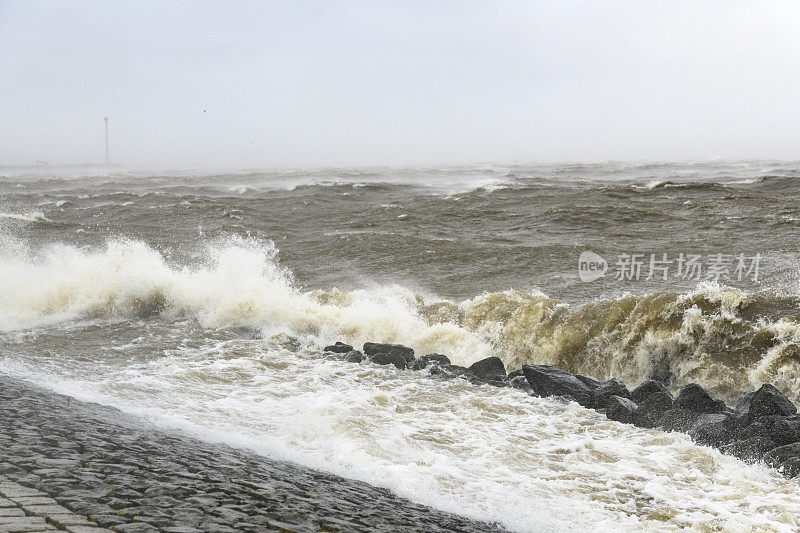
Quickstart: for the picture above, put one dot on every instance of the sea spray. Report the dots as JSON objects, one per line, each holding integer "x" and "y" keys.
{"x": 715, "y": 335}
{"x": 163, "y": 294}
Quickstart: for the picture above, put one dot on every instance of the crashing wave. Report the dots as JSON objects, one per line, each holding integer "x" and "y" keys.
{"x": 726, "y": 339}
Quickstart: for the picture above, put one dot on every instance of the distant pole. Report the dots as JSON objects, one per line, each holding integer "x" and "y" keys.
{"x": 106, "y": 140}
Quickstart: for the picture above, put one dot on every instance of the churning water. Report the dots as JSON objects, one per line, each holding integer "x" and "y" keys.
{"x": 202, "y": 301}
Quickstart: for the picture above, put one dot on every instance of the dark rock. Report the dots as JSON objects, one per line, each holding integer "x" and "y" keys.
{"x": 354, "y": 356}
{"x": 516, "y": 373}
{"x": 431, "y": 358}
{"x": 786, "y": 459}
{"x": 647, "y": 389}
{"x": 713, "y": 429}
{"x": 519, "y": 382}
{"x": 448, "y": 371}
{"x": 621, "y": 409}
{"x": 489, "y": 369}
{"x": 781, "y": 454}
{"x": 549, "y": 381}
{"x": 678, "y": 420}
{"x": 589, "y": 381}
{"x": 339, "y": 347}
{"x": 603, "y": 392}
{"x": 750, "y": 450}
{"x": 374, "y": 348}
{"x": 766, "y": 401}
{"x": 694, "y": 398}
{"x": 652, "y": 409}
{"x": 790, "y": 468}
{"x": 390, "y": 358}
{"x": 781, "y": 430}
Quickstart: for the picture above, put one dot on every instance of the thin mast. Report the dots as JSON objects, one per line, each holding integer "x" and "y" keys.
{"x": 106, "y": 140}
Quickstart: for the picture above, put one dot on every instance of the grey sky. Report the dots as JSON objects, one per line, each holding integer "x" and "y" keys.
{"x": 304, "y": 84}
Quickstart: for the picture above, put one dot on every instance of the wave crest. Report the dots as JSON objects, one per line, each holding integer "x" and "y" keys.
{"x": 727, "y": 339}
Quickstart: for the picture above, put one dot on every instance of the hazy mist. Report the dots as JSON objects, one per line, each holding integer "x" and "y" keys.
{"x": 245, "y": 84}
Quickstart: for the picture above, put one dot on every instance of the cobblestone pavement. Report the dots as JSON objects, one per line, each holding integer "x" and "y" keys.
{"x": 117, "y": 472}
{"x": 26, "y": 509}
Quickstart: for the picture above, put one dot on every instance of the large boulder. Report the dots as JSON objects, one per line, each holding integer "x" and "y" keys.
{"x": 589, "y": 381}
{"x": 374, "y": 348}
{"x": 519, "y": 382}
{"x": 390, "y": 358}
{"x": 448, "y": 371}
{"x": 516, "y": 373}
{"x": 488, "y": 370}
{"x": 354, "y": 356}
{"x": 621, "y": 409}
{"x": 648, "y": 388}
{"x": 550, "y": 381}
{"x": 781, "y": 430}
{"x": 750, "y": 450}
{"x": 777, "y": 456}
{"x": 339, "y": 347}
{"x": 603, "y": 392}
{"x": 714, "y": 430}
{"x": 653, "y": 408}
{"x": 694, "y": 398}
{"x": 764, "y": 402}
{"x": 430, "y": 359}
{"x": 516, "y": 379}
{"x": 678, "y": 420}
{"x": 790, "y": 468}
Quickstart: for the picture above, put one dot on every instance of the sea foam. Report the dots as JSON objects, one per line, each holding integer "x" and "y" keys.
{"x": 716, "y": 336}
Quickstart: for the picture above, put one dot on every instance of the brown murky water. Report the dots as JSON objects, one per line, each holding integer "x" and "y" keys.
{"x": 133, "y": 289}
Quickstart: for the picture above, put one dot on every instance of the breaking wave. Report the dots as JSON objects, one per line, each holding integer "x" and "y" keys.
{"x": 726, "y": 339}
{"x": 238, "y": 283}
{"x": 31, "y": 216}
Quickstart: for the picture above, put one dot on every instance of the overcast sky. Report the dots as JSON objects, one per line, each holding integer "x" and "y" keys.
{"x": 241, "y": 84}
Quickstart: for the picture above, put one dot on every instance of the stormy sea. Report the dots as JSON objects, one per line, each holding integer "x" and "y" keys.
{"x": 200, "y": 302}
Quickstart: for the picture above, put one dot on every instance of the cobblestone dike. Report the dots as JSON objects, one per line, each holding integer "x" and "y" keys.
{"x": 123, "y": 474}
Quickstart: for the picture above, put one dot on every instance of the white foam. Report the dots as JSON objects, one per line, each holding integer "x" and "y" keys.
{"x": 238, "y": 283}
{"x": 480, "y": 451}
{"x": 31, "y": 216}
{"x": 497, "y": 454}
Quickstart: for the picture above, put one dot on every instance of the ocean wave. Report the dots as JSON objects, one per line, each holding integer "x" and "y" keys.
{"x": 239, "y": 283}
{"x": 688, "y": 185}
{"x": 777, "y": 182}
{"x": 30, "y": 216}
{"x": 491, "y": 185}
{"x": 344, "y": 184}
{"x": 727, "y": 339}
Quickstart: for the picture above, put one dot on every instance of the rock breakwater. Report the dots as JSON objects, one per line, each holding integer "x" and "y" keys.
{"x": 762, "y": 427}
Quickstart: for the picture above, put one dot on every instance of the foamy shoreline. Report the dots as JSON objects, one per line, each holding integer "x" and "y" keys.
{"x": 763, "y": 428}
{"x": 122, "y": 473}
